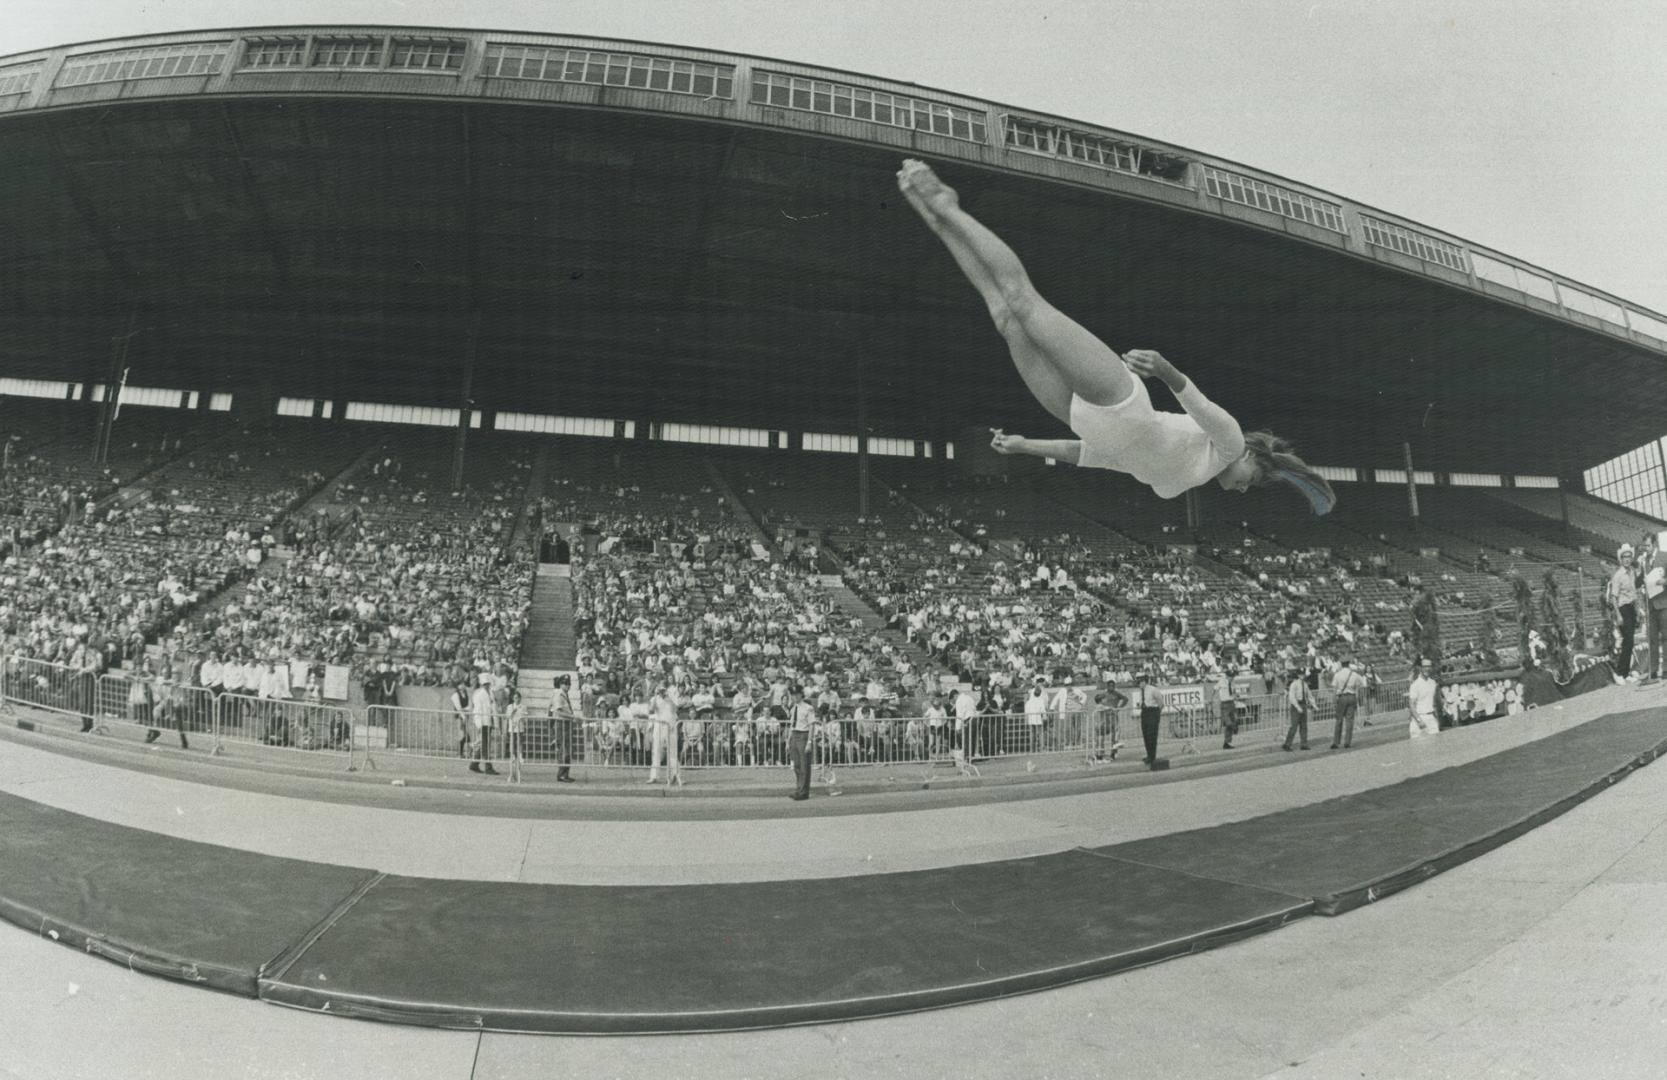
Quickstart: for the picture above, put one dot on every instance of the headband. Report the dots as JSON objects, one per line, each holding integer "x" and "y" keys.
{"x": 1318, "y": 497}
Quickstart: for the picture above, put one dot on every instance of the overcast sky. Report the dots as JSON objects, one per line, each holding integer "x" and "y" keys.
{"x": 1528, "y": 126}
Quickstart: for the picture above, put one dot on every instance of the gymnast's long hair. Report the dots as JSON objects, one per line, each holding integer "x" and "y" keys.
{"x": 1276, "y": 463}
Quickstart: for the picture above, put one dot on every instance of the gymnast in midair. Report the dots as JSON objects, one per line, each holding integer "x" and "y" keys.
{"x": 1095, "y": 392}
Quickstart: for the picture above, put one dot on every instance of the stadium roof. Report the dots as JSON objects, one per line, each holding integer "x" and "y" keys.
{"x": 651, "y": 232}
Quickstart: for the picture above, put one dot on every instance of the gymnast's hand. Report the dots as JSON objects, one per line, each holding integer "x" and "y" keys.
{"x": 1002, "y": 443}
{"x": 1150, "y": 364}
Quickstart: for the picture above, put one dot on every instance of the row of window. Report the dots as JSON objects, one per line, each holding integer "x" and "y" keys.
{"x": 1385, "y": 234}
{"x": 709, "y": 435}
{"x": 1637, "y": 478}
{"x": 199, "y": 58}
{"x": 1467, "y": 479}
{"x": 1041, "y": 138}
{"x": 1595, "y": 306}
{"x": 1634, "y": 475}
{"x": 306, "y": 407}
{"x": 1271, "y": 197}
{"x": 403, "y": 53}
{"x": 38, "y": 388}
{"x": 424, "y": 415}
{"x": 18, "y": 78}
{"x": 1523, "y": 281}
{"x": 154, "y": 397}
{"x": 861, "y": 103}
{"x": 564, "y": 425}
{"x": 609, "y": 69}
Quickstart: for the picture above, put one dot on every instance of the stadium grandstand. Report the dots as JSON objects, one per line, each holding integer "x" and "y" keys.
{"x": 354, "y": 376}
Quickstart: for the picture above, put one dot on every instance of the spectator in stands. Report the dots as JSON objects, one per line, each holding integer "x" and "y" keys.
{"x": 1423, "y": 718}
{"x": 1623, "y": 598}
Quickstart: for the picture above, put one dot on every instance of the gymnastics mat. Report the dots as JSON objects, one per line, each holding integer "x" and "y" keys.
{"x": 1355, "y": 849}
{"x": 195, "y": 912}
{"x": 604, "y": 959}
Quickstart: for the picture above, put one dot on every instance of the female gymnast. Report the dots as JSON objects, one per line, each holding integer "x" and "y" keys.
{"x": 1098, "y": 394}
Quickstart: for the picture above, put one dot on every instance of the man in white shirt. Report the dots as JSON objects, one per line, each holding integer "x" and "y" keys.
{"x": 1151, "y": 713}
{"x": 1036, "y": 715}
{"x": 1421, "y": 703}
{"x": 1623, "y": 597}
{"x": 663, "y": 708}
{"x": 966, "y": 715}
{"x": 272, "y": 686}
{"x": 481, "y": 708}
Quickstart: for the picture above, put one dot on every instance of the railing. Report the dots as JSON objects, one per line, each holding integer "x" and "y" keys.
{"x": 125, "y": 699}
{"x": 716, "y": 742}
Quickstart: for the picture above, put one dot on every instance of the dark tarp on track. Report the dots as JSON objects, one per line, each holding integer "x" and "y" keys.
{"x": 1540, "y": 687}
{"x": 197, "y": 912}
{"x": 723, "y": 957}
{"x": 1350, "y": 850}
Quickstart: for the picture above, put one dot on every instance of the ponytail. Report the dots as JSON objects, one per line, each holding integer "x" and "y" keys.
{"x": 1275, "y": 461}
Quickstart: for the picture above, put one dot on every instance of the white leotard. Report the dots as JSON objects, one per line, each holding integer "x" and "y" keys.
{"x": 1171, "y": 452}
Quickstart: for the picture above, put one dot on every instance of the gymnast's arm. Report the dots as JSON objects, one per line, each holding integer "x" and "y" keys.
{"x": 1217, "y": 422}
{"x": 1059, "y": 449}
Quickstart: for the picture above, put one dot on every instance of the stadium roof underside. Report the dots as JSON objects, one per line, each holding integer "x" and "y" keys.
{"x": 654, "y": 266}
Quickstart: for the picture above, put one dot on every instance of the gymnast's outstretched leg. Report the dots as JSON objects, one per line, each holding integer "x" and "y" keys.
{"x": 1037, "y": 333}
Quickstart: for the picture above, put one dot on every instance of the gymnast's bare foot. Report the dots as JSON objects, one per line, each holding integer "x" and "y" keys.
{"x": 921, "y": 185}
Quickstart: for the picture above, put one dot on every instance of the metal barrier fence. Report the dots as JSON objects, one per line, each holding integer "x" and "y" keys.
{"x": 128, "y": 699}
{"x": 1264, "y": 712}
{"x": 308, "y": 726}
{"x": 56, "y": 687}
{"x": 151, "y": 703}
{"x": 722, "y": 742}
{"x": 718, "y": 742}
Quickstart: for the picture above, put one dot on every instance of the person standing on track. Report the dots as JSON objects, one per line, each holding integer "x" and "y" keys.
{"x": 1100, "y": 395}
{"x": 1151, "y": 713}
{"x": 1421, "y": 702}
{"x": 1623, "y": 597}
{"x": 798, "y": 743}
{"x": 1300, "y": 699}
{"x": 482, "y": 706}
{"x": 1347, "y": 684}
{"x": 1654, "y": 567}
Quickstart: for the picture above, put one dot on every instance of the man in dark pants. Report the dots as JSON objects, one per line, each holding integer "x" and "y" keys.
{"x": 1654, "y": 599}
{"x": 798, "y": 743}
{"x": 1347, "y": 685}
{"x": 1151, "y": 711}
{"x": 1299, "y": 700}
{"x": 565, "y": 709}
{"x": 1623, "y": 597}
